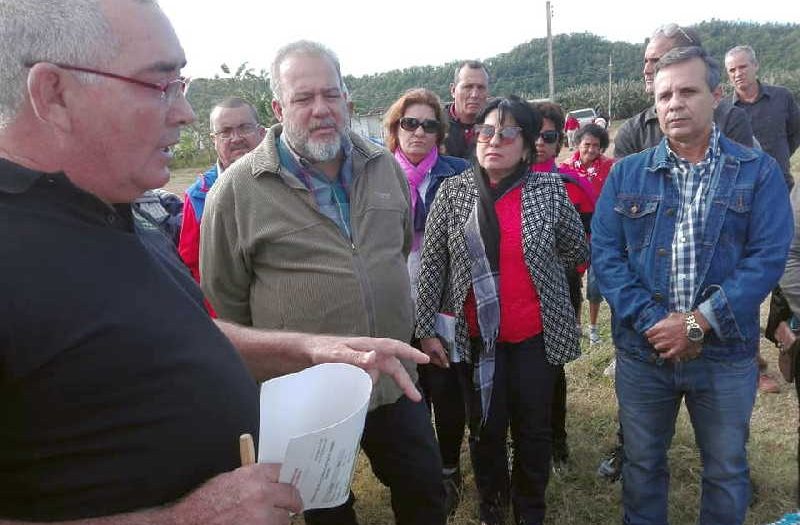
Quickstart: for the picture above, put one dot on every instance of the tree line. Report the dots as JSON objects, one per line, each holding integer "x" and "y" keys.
{"x": 581, "y": 76}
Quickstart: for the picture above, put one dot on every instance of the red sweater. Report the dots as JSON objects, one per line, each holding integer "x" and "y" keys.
{"x": 520, "y": 309}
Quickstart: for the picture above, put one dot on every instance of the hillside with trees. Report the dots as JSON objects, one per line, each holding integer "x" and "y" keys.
{"x": 581, "y": 75}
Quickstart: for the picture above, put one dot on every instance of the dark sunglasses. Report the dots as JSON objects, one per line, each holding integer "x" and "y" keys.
{"x": 411, "y": 124}
{"x": 506, "y": 134}
{"x": 550, "y": 136}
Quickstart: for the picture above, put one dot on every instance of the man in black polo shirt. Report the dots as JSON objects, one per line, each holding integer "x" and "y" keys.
{"x": 773, "y": 111}
{"x": 121, "y": 401}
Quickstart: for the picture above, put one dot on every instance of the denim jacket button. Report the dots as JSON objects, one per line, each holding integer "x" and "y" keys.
{"x": 658, "y": 297}
{"x": 662, "y": 252}
{"x": 670, "y": 212}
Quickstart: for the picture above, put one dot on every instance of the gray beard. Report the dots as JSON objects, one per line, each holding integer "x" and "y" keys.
{"x": 312, "y": 151}
{"x": 321, "y": 152}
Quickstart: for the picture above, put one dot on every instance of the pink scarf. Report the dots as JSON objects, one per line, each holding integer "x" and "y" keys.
{"x": 416, "y": 174}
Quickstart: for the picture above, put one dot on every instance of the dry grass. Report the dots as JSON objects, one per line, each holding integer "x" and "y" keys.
{"x": 181, "y": 179}
{"x": 579, "y": 497}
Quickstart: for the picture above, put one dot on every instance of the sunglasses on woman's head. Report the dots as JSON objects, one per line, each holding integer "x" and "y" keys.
{"x": 549, "y": 137}
{"x": 506, "y": 134}
{"x": 411, "y": 124}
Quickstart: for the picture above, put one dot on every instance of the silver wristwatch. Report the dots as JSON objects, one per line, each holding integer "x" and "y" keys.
{"x": 694, "y": 332}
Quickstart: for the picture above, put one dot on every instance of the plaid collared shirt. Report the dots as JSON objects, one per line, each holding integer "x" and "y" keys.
{"x": 693, "y": 182}
{"x": 331, "y": 197}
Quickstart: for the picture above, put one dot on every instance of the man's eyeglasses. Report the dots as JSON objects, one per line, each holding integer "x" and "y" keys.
{"x": 672, "y": 29}
{"x": 507, "y": 134}
{"x": 243, "y": 130}
{"x": 411, "y": 124}
{"x": 169, "y": 90}
{"x": 550, "y": 136}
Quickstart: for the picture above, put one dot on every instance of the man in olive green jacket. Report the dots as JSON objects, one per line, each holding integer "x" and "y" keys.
{"x": 310, "y": 232}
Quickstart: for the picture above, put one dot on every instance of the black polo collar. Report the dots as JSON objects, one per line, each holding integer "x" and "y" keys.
{"x": 17, "y": 179}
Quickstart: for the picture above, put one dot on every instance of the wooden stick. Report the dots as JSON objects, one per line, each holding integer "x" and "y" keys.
{"x": 247, "y": 451}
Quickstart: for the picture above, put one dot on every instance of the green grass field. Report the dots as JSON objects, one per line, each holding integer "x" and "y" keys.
{"x": 579, "y": 497}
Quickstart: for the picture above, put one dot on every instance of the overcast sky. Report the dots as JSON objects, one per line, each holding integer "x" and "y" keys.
{"x": 381, "y": 35}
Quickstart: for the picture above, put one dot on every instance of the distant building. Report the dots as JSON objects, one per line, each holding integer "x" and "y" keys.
{"x": 369, "y": 125}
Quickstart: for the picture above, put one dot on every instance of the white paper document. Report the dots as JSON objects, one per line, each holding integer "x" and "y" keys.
{"x": 311, "y": 423}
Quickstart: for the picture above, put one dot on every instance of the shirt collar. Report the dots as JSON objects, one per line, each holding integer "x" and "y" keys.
{"x": 650, "y": 114}
{"x": 347, "y": 150}
{"x": 17, "y": 179}
{"x": 762, "y": 92}
{"x": 452, "y": 111}
{"x": 712, "y": 153}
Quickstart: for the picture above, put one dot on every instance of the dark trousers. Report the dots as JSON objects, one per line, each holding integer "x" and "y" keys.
{"x": 444, "y": 389}
{"x": 522, "y": 394}
{"x": 399, "y": 443}
{"x": 559, "y": 410}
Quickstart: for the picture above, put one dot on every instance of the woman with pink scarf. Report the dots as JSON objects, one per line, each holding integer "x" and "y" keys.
{"x": 415, "y": 130}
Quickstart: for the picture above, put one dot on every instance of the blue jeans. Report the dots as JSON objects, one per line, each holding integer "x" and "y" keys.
{"x": 593, "y": 294}
{"x": 719, "y": 397}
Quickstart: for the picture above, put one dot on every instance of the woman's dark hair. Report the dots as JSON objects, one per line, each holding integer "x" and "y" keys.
{"x": 529, "y": 119}
{"x": 595, "y": 131}
{"x": 555, "y": 114}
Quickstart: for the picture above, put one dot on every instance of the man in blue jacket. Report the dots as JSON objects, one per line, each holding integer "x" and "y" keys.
{"x": 688, "y": 238}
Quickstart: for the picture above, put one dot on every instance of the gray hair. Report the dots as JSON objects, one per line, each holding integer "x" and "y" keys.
{"x": 680, "y": 36}
{"x": 747, "y": 50}
{"x": 682, "y": 54}
{"x": 230, "y": 103}
{"x": 470, "y": 64}
{"x": 301, "y": 47}
{"x": 73, "y": 32}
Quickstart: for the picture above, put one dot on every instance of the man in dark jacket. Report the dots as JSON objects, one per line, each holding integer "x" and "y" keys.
{"x": 642, "y": 131}
{"x": 470, "y": 91}
{"x": 773, "y": 111}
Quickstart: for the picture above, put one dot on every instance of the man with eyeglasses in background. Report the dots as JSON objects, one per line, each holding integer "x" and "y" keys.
{"x": 236, "y": 131}
{"x": 642, "y": 131}
{"x": 121, "y": 401}
{"x": 470, "y": 91}
{"x": 311, "y": 231}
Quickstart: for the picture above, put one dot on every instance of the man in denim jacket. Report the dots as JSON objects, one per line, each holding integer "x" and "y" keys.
{"x": 688, "y": 238}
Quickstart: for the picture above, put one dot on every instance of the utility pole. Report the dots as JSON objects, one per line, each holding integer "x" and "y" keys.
{"x": 610, "y": 66}
{"x": 550, "y": 67}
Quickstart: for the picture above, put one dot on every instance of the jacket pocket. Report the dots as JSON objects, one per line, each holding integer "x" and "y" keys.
{"x": 638, "y": 218}
{"x": 737, "y": 216}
